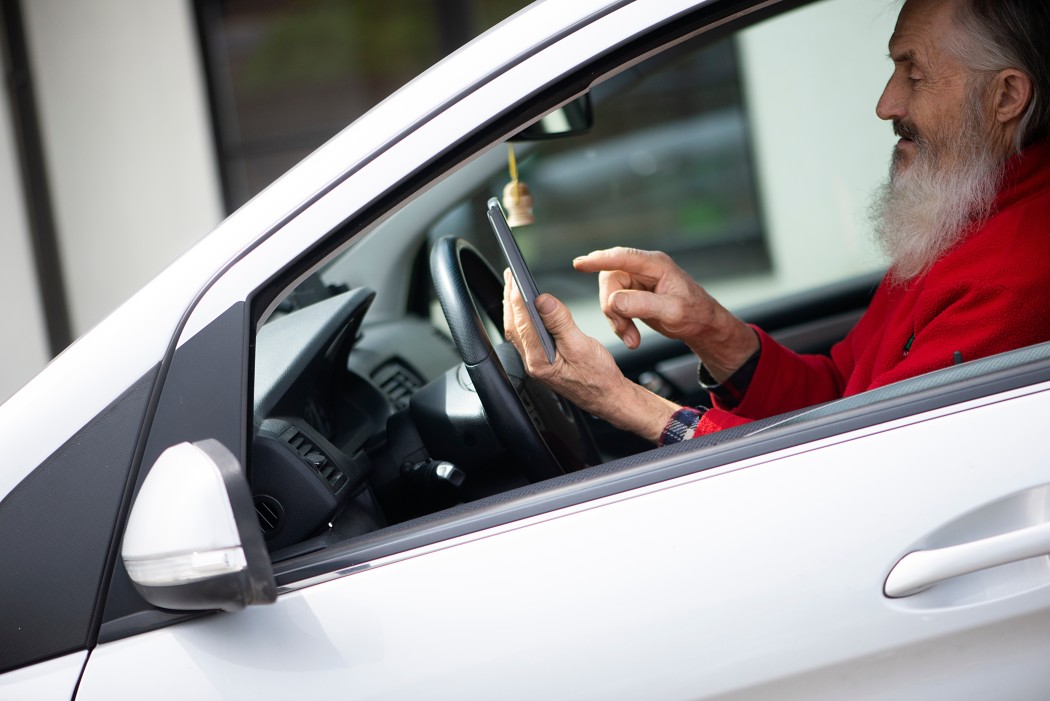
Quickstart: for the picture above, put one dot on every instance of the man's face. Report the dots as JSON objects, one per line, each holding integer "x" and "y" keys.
{"x": 926, "y": 97}
{"x": 946, "y": 167}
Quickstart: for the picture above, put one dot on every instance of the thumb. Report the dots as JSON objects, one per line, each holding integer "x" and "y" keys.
{"x": 555, "y": 315}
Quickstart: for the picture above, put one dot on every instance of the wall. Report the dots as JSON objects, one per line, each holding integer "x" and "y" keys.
{"x": 812, "y": 78}
{"x": 128, "y": 149}
{"x": 24, "y": 336}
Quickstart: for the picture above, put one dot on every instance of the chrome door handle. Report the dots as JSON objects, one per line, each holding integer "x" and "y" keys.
{"x": 920, "y": 570}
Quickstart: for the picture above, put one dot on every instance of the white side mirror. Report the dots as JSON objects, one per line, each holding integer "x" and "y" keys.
{"x": 193, "y": 541}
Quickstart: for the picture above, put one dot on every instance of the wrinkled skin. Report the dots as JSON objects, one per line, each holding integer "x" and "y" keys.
{"x": 650, "y": 287}
{"x": 633, "y": 285}
{"x": 926, "y": 95}
{"x": 584, "y": 372}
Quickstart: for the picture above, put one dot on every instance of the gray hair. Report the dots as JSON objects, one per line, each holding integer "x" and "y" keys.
{"x": 999, "y": 34}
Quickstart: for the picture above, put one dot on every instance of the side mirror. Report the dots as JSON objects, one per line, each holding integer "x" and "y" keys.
{"x": 570, "y": 119}
{"x": 193, "y": 540}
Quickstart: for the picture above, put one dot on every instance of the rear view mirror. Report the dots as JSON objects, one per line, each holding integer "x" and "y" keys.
{"x": 193, "y": 540}
{"x": 571, "y": 119}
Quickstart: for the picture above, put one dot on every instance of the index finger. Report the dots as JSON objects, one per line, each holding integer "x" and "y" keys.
{"x": 630, "y": 260}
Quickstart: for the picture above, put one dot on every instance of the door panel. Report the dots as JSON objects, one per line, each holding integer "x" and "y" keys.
{"x": 761, "y": 580}
{"x": 54, "y": 680}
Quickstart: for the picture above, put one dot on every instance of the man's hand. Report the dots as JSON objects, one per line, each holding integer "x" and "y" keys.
{"x": 584, "y": 372}
{"x": 648, "y": 285}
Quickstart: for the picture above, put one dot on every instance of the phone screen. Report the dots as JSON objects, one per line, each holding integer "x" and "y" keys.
{"x": 520, "y": 271}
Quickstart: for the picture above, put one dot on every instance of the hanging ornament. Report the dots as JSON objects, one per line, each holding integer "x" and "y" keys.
{"x": 517, "y": 200}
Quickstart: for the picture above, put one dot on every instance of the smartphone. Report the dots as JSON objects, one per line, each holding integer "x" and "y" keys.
{"x": 520, "y": 271}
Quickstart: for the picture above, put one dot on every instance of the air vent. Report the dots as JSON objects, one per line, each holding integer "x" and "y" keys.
{"x": 270, "y": 514}
{"x": 398, "y": 383}
{"x": 328, "y": 470}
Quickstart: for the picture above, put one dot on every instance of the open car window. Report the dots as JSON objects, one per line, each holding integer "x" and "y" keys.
{"x": 750, "y": 158}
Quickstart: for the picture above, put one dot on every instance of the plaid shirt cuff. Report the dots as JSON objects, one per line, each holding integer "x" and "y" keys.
{"x": 682, "y": 425}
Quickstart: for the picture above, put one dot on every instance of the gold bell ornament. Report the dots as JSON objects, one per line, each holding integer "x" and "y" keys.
{"x": 517, "y": 200}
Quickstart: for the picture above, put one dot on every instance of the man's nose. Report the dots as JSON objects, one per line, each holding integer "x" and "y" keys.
{"x": 891, "y": 105}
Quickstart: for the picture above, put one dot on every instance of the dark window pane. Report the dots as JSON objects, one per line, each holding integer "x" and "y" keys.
{"x": 286, "y": 75}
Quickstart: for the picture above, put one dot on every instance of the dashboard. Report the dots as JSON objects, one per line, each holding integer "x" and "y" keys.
{"x": 334, "y": 441}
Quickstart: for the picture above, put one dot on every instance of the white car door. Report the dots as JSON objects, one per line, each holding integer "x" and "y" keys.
{"x": 762, "y": 579}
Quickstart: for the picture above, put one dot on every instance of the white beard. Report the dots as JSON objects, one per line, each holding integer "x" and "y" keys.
{"x": 922, "y": 212}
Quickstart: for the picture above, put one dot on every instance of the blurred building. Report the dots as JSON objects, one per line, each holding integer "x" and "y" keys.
{"x": 130, "y": 128}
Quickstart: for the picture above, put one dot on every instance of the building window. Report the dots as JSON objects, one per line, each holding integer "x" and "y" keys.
{"x": 287, "y": 75}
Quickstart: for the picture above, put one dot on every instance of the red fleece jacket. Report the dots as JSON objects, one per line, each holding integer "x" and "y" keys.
{"x": 989, "y": 294}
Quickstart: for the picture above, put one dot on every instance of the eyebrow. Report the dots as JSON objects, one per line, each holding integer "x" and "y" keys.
{"x": 901, "y": 56}
{"x": 905, "y": 56}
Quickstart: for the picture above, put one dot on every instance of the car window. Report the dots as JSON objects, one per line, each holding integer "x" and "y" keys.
{"x": 750, "y": 161}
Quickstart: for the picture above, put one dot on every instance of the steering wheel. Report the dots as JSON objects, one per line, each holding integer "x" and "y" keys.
{"x": 546, "y": 434}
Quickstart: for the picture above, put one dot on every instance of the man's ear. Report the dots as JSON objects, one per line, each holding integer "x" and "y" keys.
{"x": 1012, "y": 91}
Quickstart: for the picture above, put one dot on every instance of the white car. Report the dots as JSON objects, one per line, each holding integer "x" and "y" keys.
{"x": 427, "y": 523}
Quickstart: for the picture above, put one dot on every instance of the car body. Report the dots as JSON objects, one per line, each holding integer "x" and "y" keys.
{"x": 890, "y": 545}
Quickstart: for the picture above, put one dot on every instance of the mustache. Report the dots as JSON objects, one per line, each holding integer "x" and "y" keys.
{"x": 906, "y": 130}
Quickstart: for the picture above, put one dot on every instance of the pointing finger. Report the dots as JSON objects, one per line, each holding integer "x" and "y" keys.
{"x": 648, "y": 264}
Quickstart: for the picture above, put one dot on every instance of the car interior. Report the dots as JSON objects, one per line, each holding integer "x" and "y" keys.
{"x": 388, "y": 413}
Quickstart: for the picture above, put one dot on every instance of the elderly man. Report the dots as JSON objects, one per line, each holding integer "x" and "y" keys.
{"x": 965, "y": 218}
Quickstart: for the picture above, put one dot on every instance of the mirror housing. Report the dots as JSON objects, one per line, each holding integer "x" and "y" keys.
{"x": 193, "y": 540}
{"x": 571, "y": 119}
